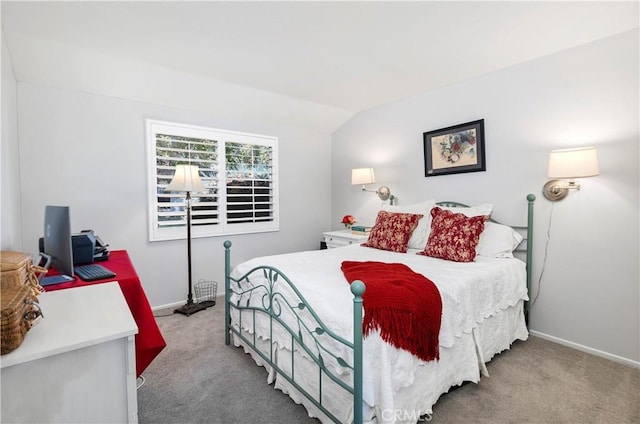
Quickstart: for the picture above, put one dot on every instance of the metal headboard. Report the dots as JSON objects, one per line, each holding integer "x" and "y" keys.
{"x": 525, "y": 247}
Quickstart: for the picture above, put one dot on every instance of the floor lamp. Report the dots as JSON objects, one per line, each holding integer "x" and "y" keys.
{"x": 186, "y": 179}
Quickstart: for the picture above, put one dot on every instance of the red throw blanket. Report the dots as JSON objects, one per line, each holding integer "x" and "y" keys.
{"x": 403, "y": 305}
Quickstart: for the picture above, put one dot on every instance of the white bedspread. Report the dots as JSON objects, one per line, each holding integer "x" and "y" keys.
{"x": 470, "y": 293}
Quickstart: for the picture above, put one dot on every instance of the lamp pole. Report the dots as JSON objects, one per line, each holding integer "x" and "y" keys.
{"x": 190, "y": 296}
{"x": 186, "y": 179}
{"x": 190, "y": 307}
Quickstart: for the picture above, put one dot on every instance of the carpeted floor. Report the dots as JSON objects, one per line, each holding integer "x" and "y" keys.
{"x": 197, "y": 379}
{"x": 538, "y": 381}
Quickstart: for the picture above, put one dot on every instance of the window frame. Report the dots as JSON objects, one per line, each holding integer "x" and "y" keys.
{"x": 220, "y": 137}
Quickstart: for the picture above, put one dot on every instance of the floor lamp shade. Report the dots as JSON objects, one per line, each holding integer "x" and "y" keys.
{"x": 186, "y": 179}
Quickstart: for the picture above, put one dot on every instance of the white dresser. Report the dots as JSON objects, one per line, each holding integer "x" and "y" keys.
{"x": 342, "y": 238}
{"x": 77, "y": 364}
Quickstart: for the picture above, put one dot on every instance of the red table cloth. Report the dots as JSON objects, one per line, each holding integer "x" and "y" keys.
{"x": 149, "y": 340}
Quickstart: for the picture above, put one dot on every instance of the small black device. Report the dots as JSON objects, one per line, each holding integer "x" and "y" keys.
{"x": 100, "y": 253}
{"x": 86, "y": 248}
{"x": 93, "y": 272}
{"x": 83, "y": 244}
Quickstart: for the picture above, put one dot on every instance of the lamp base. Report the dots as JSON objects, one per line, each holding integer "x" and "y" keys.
{"x": 383, "y": 193}
{"x": 189, "y": 309}
{"x": 555, "y": 190}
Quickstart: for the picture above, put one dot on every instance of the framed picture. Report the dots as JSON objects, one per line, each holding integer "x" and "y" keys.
{"x": 455, "y": 149}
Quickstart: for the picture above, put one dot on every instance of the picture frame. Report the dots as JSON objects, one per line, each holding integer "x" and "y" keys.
{"x": 454, "y": 150}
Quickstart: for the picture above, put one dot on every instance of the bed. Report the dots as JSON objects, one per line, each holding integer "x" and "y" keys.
{"x": 297, "y": 315}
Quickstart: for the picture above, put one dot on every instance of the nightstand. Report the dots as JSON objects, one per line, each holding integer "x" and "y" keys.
{"x": 342, "y": 238}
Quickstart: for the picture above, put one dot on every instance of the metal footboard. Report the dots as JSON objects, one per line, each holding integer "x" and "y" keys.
{"x": 258, "y": 295}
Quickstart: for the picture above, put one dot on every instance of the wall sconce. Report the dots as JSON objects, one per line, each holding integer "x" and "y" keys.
{"x": 364, "y": 176}
{"x": 569, "y": 164}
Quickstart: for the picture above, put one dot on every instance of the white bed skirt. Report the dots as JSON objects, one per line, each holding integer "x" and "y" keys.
{"x": 464, "y": 361}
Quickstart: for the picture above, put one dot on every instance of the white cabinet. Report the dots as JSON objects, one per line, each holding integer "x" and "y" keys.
{"x": 77, "y": 364}
{"x": 342, "y": 238}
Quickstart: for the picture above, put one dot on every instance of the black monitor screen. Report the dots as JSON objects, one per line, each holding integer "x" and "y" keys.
{"x": 57, "y": 238}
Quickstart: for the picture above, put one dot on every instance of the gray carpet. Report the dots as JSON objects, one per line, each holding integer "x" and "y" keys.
{"x": 197, "y": 379}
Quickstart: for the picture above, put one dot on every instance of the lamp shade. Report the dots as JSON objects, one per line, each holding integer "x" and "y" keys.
{"x": 573, "y": 163}
{"x": 362, "y": 176}
{"x": 186, "y": 178}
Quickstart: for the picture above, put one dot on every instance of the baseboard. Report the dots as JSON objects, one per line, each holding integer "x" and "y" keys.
{"x": 168, "y": 306}
{"x": 219, "y": 301}
{"x": 596, "y": 352}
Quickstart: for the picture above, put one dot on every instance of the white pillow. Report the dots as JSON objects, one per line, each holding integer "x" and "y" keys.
{"x": 419, "y": 236}
{"x": 498, "y": 241}
{"x": 484, "y": 209}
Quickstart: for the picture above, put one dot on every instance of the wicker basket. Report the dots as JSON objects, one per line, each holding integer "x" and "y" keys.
{"x": 17, "y": 269}
{"x": 20, "y": 311}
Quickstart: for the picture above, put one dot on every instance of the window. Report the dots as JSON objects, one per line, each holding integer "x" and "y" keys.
{"x": 239, "y": 171}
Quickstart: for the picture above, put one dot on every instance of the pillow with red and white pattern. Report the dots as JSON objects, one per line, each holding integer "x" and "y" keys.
{"x": 454, "y": 236}
{"x": 392, "y": 231}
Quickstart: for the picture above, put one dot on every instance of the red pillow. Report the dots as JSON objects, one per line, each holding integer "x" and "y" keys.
{"x": 392, "y": 231}
{"x": 454, "y": 236}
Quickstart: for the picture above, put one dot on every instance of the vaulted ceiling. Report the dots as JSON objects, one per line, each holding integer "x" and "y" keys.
{"x": 348, "y": 55}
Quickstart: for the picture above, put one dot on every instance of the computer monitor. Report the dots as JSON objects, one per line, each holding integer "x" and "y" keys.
{"x": 57, "y": 238}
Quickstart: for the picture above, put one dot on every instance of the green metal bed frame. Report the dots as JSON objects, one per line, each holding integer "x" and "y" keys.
{"x": 309, "y": 331}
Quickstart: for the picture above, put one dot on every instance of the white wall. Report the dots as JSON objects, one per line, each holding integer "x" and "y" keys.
{"x": 82, "y": 143}
{"x": 584, "y": 96}
{"x": 88, "y": 151}
{"x": 44, "y": 62}
{"x": 9, "y": 166}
